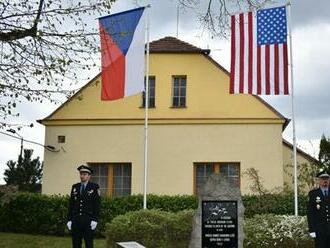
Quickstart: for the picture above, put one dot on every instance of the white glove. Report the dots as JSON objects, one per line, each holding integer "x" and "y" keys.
{"x": 312, "y": 235}
{"x": 69, "y": 224}
{"x": 93, "y": 224}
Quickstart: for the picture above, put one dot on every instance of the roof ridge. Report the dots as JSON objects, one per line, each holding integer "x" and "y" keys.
{"x": 299, "y": 150}
{"x": 175, "y": 39}
{"x": 170, "y": 44}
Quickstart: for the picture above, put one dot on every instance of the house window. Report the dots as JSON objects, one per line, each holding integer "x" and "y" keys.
{"x": 113, "y": 179}
{"x": 152, "y": 93}
{"x": 203, "y": 170}
{"x": 121, "y": 179}
{"x": 61, "y": 139}
{"x": 100, "y": 176}
{"x": 231, "y": 171}
{"x": 179, "y": 91}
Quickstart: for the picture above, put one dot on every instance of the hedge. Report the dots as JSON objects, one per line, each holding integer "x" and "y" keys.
{"x": 42, "y": 214}
{"x": 152, "y": 228}
{"x": 159, "y": 229}
{"x": 279, "y": 204}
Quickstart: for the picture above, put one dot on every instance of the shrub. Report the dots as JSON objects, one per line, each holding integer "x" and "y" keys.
{"x": 112, "y": 207}
{"x": 34, "y": 213}
{"x": 276, "y": 231}
{"x": 152, "y": 228}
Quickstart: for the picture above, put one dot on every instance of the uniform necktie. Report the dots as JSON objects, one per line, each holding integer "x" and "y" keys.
{"x": 82, "y": 188}
{"x": 325, "y": 193}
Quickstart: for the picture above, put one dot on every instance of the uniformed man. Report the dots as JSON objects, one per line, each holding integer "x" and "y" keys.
{"x": 84, "y": 208}
{"x": 318, "y": 212}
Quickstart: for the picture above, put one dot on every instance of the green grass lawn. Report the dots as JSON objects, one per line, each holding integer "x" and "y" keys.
{"x": 14, "y": 240}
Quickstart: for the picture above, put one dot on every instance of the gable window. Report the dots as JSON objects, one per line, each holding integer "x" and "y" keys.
{"x": 113, "y": 179}
{"x": 179, "y": 91}
{"x": 152, "y": 93}
{"x": 203, "y": 170}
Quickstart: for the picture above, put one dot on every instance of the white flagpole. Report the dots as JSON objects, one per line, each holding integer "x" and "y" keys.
{"x": 177, "y": 19}
{"x": 146, "y": 103}
{"x": 295, "y": 174}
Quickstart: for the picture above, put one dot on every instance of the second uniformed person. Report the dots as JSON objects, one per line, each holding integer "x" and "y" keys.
{"x": 318, "y": 212}
{"x": 84, "y": 208}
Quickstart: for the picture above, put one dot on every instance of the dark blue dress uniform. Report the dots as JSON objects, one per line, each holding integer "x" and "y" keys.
{"x": 318, "y": 215}
{"x": 84, "y": 207}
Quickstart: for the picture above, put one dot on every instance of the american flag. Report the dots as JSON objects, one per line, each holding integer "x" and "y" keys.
{"x": 259, "y": 53}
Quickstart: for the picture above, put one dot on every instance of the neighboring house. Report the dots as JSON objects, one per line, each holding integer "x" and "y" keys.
{"x": 196, "y": 128}
{"x": 303, "y": 159}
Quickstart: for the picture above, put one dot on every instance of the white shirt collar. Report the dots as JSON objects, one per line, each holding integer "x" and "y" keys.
{"x": 85, "y": 183}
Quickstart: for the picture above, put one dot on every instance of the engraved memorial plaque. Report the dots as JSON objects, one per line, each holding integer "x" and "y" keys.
{"x": 219, "y": 224}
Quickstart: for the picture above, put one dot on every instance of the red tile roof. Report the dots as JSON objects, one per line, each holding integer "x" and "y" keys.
{"x": 173, "y": 45}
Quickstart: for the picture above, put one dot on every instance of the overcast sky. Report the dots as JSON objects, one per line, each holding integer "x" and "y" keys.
{"x": 311, "y": 39}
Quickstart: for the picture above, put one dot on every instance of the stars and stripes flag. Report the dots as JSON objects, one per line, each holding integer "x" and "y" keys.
{"x": 122, "y": 53}
{"x": 259, "y": 52}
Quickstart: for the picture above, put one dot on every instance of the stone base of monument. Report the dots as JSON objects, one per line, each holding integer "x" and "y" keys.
{"x": 218, "y": 222}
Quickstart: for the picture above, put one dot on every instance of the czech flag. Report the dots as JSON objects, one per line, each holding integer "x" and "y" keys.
{"x": 122, "y": 53}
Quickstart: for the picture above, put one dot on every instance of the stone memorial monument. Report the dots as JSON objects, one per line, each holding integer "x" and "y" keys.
{"x": 218, "y": 221}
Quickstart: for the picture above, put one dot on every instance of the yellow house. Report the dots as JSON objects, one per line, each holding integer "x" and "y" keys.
{"x": 196, "y": 128}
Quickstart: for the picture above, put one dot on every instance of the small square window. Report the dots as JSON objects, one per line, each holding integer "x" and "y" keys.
{"x": 61, "y": 139}
{"x": 114, "y": 179}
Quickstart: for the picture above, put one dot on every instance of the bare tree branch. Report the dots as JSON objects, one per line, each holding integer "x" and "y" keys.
{"x": 214, "y": 15}
{"x": 44, "y": 48}
{"x": 22, "y": 33}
